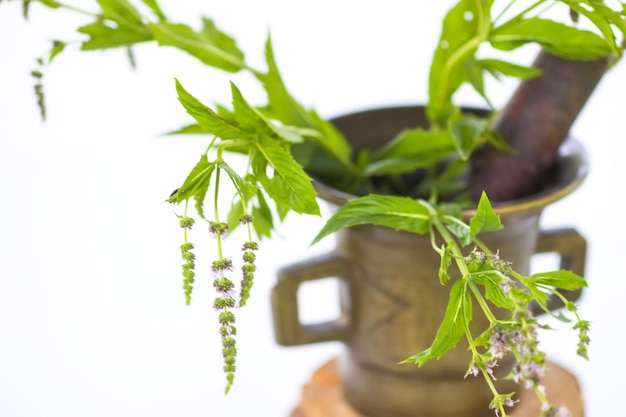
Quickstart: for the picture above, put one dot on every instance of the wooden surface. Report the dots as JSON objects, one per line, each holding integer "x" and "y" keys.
{"x": 322, "y": 396}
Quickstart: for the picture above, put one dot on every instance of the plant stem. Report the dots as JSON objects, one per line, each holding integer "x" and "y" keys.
{"x": 216, "y": 209}
{"x": 481, "y": 301}
{"x": 73, "y": 9}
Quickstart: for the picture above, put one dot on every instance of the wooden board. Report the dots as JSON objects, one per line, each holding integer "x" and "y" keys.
{"x": 322, "y": 395}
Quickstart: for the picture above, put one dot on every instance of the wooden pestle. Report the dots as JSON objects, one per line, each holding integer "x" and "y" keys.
{"x": 535, "y": 122}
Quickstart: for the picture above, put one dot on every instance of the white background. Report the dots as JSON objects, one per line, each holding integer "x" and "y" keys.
{"x": 92, "y": 317}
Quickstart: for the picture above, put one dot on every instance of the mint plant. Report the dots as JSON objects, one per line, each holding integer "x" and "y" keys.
{"x": 285, "y": 145}
{"x": 484, "y": 277}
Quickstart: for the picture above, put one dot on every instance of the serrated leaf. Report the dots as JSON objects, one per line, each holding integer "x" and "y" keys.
{"x": 467, "y": 134}
{"x": 190, "y": 129}
{"x": 498, "y": 67}
{"x": 562, "y": 40}
{"x": 154, "y": 6}
{"x": 198, "y": 198}
{"x": 476, "y": 77}
{"x": 220, "y": 39}
{"x": 247, "y": 117}
{"x": 415, "y": 141}
{"x": 201, "y": 45}
{"x": 290, "y": 187}
{"x": 403, "y": 164}
{"x": 246, "y": 188}
{"x": 485, "y": 219}
{"x": 289, "y": 133}
{"x": 409, "y": 150}
{"x": 103, "y": 36}
{"x": 263, "y": 218}
{"x": 399, "y": 213}
{"x": 207, "y": 118}
{"x": 196, "y": 183}
{"x": 603, "y": 17}
{"x": 452, "y": 328}
{"x": 566, "y": 280}
{"x": 122, "y": 12}
{"x": 495, "y": 293}
{"x": 283, "y": 107}
{"x": 459, "y": 229}
{"x": 235, "y": 213}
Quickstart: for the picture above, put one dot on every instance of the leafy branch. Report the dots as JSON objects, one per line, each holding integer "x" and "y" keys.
{"x": 285, "y": 145}
{"x": 483, "y": 277}
{"x": 468, "y": 25}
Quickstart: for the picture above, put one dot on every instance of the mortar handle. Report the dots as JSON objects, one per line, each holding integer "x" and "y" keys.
{"x": 288, "y": 329}
{"x": 571, "y": 246}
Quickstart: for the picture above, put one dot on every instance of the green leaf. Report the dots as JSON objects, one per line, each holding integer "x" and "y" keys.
{"x": 103, "y": 36}
{"x": 196, "y": 183}
{"x": 566, "y": 280}
{"x": 122, "y": 12}
{"x": 190, "y": 129}
{"x": 603, "y": 17}
{"x": 497, "y": 67}
{"x": 446, "y": 261}
{"x": 152, "y": 4}
{"x": 564, "y": 41}
{"x": 246, "y": 188}
{"x": 220, "y": 39}
{"x": 289, "y": 133}
{"x": 283, "y": 107}
{"x": 467, "y": 134}
{"x": 120, "y": 24}
{"x": 464, "y": 28}
{"x": 405, "y": 163}
{"x": 235, "y": 213}
{"x": 409, "y": 150}
{"x": 457, "y": 318}
{"x": 399, "y": 213}
{"x": 458, "y": 229}
{"x": 207, "y": 118}
{"x": 263, "y": 218}
{"x": 495, "y": 293}
{"x": 290, "y": 187}
{"x": 50, "y": 3}
{"x": 485, "y": 219}
{"x": 199, "y": 197}
{"x": 331, "y": 139}
{"x": 415, "y": 141}
{"x": 496, "y": 139}
{"x": 57, "y": 48}
{"x": 475, "y": 76}
{"x": 536, "y": 295}
{"x": 248, "y": 118}
{"x": 210, "y": 46}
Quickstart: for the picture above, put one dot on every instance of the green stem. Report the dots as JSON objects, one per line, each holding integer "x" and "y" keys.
{"x": 74, "y": 9}
{"x": 506, "y": 9}
{"x": 482, "y": 302}
{"x": 483, "y": 371}
{"x": 521, "y": 15}
{"x": 216, "y": 209}
{"x": 185, "y": 215}
{"x": 461, "y": 54}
